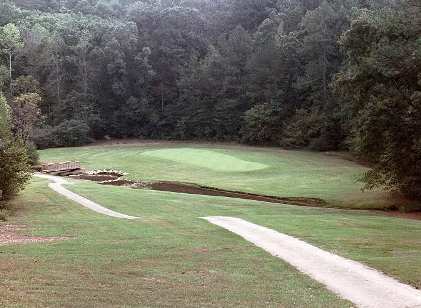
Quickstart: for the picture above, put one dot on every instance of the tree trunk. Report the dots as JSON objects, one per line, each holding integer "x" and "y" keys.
{"x": 324, "y": 59}
{"x": 324, "y": 70}
{"x": 58, "y": 85}
{"x": 162, "y": 97}
{"x": 10, "y": 74}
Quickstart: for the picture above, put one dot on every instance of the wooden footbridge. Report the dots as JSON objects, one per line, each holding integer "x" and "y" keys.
{"x": 60, "y": 167}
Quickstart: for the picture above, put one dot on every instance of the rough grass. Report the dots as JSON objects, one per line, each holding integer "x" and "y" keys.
{"x": 287, "y": 173}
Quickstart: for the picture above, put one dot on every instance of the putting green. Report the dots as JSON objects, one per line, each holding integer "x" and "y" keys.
{"x": 206, "y": 159}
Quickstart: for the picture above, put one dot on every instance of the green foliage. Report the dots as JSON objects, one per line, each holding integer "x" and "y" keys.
{"x": 14, "y": 162}
{"x": 4, "y": 75}
{"x": 69, "y": 133}
{"x": 262, "y": 125}
{"x": 73, "y": 133}
{"x": 5, "y": 119}
{"x": 10, "y": 38}
{"x": 25, "y": 85}
{"x": 177, "y": 69}
{"x": 33, "y": 154}
{"x": 302, "y": 128}
{"x": 26, "y": 113}
{"x": 15, "y": 169}
{"x": 381, "y": 82}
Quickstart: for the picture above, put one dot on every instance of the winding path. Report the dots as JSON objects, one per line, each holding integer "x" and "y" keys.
{"x": 364, "y": 286}
{"x": 56, "y": 185}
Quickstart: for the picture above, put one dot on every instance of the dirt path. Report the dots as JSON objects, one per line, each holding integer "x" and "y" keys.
{"x": 363, "y": 286}
{"x": 56, "y": 185}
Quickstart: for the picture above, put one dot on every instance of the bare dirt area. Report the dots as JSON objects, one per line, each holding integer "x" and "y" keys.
{"x": 193, "y": 189}
{"x": 12, "y": 234}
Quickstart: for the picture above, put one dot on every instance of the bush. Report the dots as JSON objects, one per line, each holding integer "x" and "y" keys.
{"x": 45, "y": 137}
{"x": 304, "y": 127}
{"x": 15, "y": 170}
{"x": 73, "y": 133}
{"x": 33, "y": 155}
{"x": 262, "y": 125}
{"x": 68, "y": 133}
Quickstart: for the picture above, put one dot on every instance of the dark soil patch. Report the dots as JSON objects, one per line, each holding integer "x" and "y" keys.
{"x": 194, "y": 189}
{"x": 95, "y": 177}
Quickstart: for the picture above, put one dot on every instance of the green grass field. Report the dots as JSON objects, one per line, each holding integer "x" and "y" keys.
{"x": 267, "y": 171}
{"x": 172, "y": 258}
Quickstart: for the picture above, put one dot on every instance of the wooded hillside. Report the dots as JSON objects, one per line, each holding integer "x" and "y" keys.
{"x": 324, "y": 75}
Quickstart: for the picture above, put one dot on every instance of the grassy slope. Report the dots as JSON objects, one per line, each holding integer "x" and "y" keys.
{"x": 257, "y": 170}
{"x": 169, "y": 259}
{"x": 392, "y": 245}
{"x": 173, "y": 258}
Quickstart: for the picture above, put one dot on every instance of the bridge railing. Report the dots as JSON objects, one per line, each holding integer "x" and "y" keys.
{"x": 53, "y": 167}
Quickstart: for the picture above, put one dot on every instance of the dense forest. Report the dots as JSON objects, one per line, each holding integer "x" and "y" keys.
{"x": 317, "y": 74}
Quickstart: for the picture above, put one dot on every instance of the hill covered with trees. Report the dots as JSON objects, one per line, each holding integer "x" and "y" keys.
{"x": 318, "y": 74}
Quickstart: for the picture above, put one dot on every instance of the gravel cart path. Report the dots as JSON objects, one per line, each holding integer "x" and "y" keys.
{"x": 364, "y": 286}
{"x": 57, "y": 186}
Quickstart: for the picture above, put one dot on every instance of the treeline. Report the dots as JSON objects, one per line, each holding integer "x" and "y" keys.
{"x": 319, "y": 74}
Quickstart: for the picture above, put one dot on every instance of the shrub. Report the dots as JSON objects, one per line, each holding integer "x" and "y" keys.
{"x": 68, "y": 133}
{"x": 15, "y": 170}
{"x": 262, "y": 125}
{"x": 33, "y": 155}
{"x": 45, "y": 137}
{"x": 73, "y": 133}
{"x": 301, "y": 129}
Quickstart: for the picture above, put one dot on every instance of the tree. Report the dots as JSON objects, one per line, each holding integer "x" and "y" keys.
{"x": 15, "y": 168}
{"x": 259, "y": 70}
{"x": 10, "y": 41}
{"x": 381, "y": 82}
{"x": 26, "y": 84}
{"x": 262, "y": 125}
{"x": 5, "y": 120}
{"x": 26, "y": 113}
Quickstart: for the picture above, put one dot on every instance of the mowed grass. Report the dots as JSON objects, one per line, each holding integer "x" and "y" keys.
{"x": 267, "y": 171}
{"x": 206, "y": 159}
{"x": 172, "y": 258}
